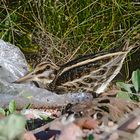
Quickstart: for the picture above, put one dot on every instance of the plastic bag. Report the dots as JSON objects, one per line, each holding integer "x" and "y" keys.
{"x": 12, "y": 66}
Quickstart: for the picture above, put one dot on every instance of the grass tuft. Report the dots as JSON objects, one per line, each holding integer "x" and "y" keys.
{"x": 68, "y": 28}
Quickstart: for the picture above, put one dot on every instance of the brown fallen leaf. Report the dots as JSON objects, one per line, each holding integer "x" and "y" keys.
{"x": 87, "y": 123}
{"x": 115, "y": 107}
{"x": 2, "y": 116}
{"x": 70, "y": 132}
{"x": 110, "y": 93}
{"x": 28, "y": 136}
{"x": 109, "y": 107}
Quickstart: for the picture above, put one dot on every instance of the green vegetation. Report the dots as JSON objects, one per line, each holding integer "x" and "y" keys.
{"x": 68, "y": 28}
{"x": 12, "y": 107}
{"x": 90, "y": 137}
{"x": 10, "y": 110}
{"x": 130, "y": 91}
{"x": 12, "y": 127}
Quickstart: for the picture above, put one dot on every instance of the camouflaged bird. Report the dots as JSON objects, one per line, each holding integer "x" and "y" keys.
{"x": 88, "y": 73}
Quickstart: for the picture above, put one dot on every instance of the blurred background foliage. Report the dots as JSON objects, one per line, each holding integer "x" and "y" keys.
{"x": 64, "y": 29}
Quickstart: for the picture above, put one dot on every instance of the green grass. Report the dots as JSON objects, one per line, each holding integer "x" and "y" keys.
{"x": 68, "y": 28}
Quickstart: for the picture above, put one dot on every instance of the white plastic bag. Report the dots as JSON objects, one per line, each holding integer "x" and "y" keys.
{"x": 12, "y": 66}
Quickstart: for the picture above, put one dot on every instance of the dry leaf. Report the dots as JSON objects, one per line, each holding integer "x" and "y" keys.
{"x": 71, "y": 132}
{"x": 29, "y": 136}
{"x": 87, "y": 123}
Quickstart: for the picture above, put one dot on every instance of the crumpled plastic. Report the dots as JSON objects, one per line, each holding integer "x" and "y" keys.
{"x": 13, "y": 65}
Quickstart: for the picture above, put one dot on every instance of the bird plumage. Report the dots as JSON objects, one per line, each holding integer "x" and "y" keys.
{"x": 43, "y": 74}
{"x": 89, "y": 73}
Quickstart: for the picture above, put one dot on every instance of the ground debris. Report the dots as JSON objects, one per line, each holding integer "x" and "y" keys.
{"x": 105, "y": 118}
